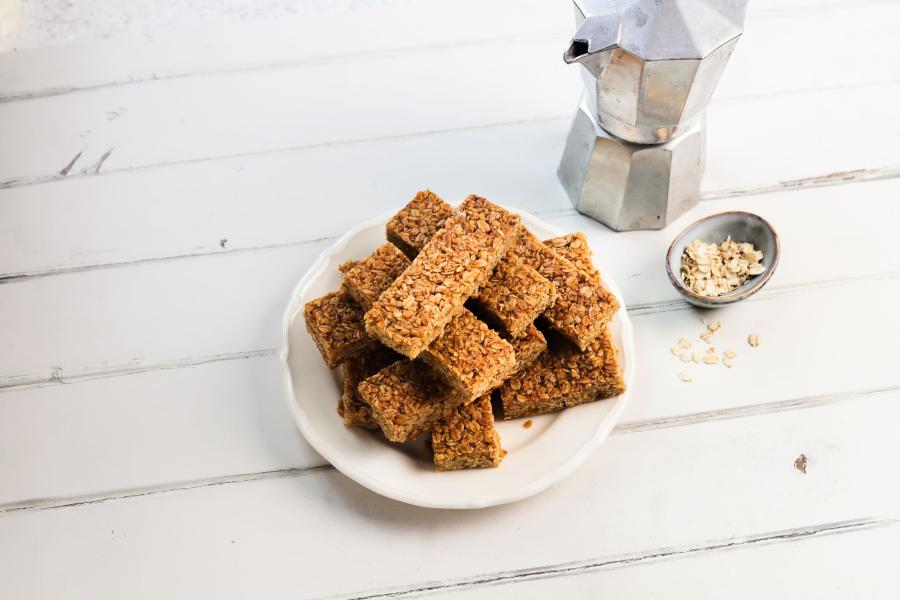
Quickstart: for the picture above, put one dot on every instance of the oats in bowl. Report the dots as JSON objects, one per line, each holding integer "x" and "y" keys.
{"x": 716, "y": 269}
{"x": 711, "y": 275}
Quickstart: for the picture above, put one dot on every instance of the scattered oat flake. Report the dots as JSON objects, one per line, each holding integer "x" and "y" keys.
{"x": 676, "y": 351}
{"x": 711, "y": 350}
{"x": 685, "y": 377}
{"x": 800, "y": 463}
{"x": 683, "y": 343}
{"x": 705, "y": 336}
{"x": 710, "y": 359}
{"x": 714, "y": 327}
{"x": 695, "y": 357}
{"x": 730, "y": 353}
{"x": 685, "y": 357}
{"x": 527, "y": 424}
{"x": 727, "y": 362}
{"x": 753, "y": 340}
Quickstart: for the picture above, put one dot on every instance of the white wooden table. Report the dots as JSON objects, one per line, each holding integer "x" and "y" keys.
{"x": 167, "y": 174}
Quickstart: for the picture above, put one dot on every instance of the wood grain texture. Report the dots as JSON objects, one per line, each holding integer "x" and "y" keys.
{"x": 105, "y": 321}
{"x": 290, "y": 537}
{"x": 162, "y": 190}
{"x": 193, "y": 209}
{"x": 124, "y": 53}
{"x": 201, "y": 207}
{"x": 812, "y": 562}
{"x": 310, "y": 104}
{"x": 178, "y": 405}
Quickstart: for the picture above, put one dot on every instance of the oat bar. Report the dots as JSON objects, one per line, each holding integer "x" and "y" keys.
{"x": 599, "y": 373}
{"x": 574, "y": 248}
{"x": 347, "y": 265}
{"x": 367, "y": 279}
{"x": 417, "y": 222}
{"x": 335, "y": 323}
{"x": 581, "y": 310}
{"x": 514, "y": 296}
{"x": 466, "y": 439}
{"x": 355, "y": 412}
{"x": 564, "y": 376}
{"x": 406, "y": 398}
{"x": 469, "y": 355}
{"x": 414, "y": 310}
{"x": 528, "y": 347}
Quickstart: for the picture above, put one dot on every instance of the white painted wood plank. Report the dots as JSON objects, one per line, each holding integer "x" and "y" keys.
{"x": 744, "y": 150}
{"x": 147, "y": 430}
{"x": 53, "y": 25}
{"x": 335, "y": 31}
{"x": 173, "y": 312}
{"x": 147, "y": 50}
{"x": 66, "y": 325}
{"x": 273, "y": 199}
{"x": 806, "y": 345}
{"x": 786, "y": 46}
{"x": 257, "y": 111}
{"x": 800, "y": 363}
{"x": 169, "y": 310}
{"x": 827, "y": 234}
{"x": 167, "y": 121}
{"x": 858, "y": 564}
{"x": 190, "y": 209}
{"x": 296, "y": 537}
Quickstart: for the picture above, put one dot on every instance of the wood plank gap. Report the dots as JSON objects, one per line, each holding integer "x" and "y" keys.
{"x": 28, "y": 275}
{"x": 361, "y": 56}
{"x": 74, "y": 501}
{"x": 627, "y": 560}
{"x": 803, "y": 10}
{"x": 281, "y": 65}
{"x": 40, "y": 504}
{"x": 831, "y": 179}
{"x": 57, "y": 376}
{"x": 768, "y": 293}
{"x": 29, "y": 180}
{"x": 749, "y": 97}
{"x": 25, "y": 181}
{"x": 750, "y": 410}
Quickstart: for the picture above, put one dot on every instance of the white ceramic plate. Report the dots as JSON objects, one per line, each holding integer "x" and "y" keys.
{"x": 538, "y": 457}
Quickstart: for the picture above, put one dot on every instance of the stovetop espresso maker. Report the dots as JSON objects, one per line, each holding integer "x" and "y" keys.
{"x": 634, "y": 156}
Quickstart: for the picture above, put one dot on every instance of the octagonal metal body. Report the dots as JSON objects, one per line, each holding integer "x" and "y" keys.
{"x": 650, "y": 67}
{"x": 628, "y": 186}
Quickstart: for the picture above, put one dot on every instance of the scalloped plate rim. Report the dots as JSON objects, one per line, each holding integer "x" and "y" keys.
{"x": 533, "y": 487}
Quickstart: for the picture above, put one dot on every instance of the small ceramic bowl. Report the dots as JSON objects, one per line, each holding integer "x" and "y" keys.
{"x": 742, "y": 227}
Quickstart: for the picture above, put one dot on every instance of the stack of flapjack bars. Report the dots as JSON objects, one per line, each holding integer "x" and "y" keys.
{"x": 460, "y": 305}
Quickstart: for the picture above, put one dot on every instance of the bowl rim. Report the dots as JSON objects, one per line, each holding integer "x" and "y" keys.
{"x": 734, "y": 295}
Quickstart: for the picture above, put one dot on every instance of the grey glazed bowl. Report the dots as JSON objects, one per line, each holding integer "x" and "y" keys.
{"x": 742, "y": 227}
